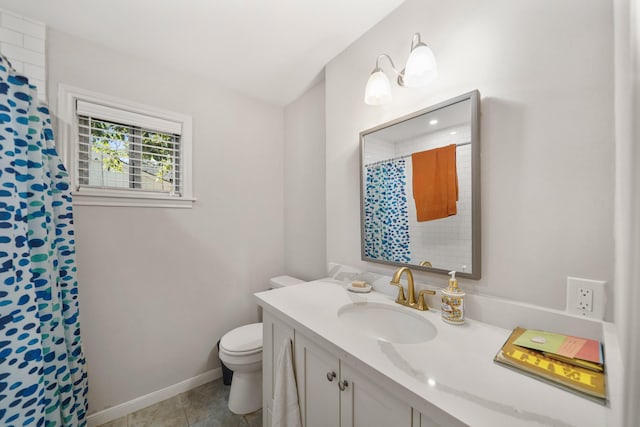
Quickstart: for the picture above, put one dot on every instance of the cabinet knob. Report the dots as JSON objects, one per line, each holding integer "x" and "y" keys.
{"x": 330, "y": 376}
{"x": 343, "y": 385}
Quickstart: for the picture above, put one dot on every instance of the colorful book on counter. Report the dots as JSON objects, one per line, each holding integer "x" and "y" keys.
{"x": 550, "y": 357}
{"x": 578, "y": 351}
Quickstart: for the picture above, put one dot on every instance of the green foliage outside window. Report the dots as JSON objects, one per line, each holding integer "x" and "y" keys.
{"x": 157, "y": 149}
{"x": 118, "y": 147}
{"x": 111, "y": 142}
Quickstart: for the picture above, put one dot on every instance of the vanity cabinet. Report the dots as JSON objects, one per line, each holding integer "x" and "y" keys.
{"x": 348, "y": 375}
{"x": 332, "y": 393}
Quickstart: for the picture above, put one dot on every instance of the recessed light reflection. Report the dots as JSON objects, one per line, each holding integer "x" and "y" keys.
{"x": 433, "y": 122}
{"x": 453, "y": 132}
{"x": 431, "y": 382}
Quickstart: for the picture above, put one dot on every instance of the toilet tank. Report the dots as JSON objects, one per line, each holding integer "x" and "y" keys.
{"x": 282, "y": 281}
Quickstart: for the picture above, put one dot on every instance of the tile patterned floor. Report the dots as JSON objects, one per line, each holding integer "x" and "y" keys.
{"x": 204, "y": 406}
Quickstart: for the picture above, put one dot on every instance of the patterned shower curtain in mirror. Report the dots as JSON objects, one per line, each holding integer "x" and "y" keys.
{"x": 386, "y": 221}
{"x": 43, "y": 379}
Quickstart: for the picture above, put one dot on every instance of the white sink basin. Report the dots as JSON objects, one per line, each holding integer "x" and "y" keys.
{"x": 390, "y": 323}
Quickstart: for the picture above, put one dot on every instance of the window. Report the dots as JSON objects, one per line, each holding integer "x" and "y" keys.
{"x": 125, "y": 154}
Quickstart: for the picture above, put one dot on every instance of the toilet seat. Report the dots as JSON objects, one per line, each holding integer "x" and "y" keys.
{"x": 240, "y": 353}
{"x": 243, "y": 341}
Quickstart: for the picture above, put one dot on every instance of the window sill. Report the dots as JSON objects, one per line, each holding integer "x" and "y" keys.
{"x": 123, "y": 199}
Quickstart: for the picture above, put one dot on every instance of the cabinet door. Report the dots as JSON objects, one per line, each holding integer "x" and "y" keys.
{"x": 274, "y": 333}
{"x": 421, "y": 420}
{"x": 364, "y": 404}
{"x": 317, "y": 376}
{"x": 435, "y": 419}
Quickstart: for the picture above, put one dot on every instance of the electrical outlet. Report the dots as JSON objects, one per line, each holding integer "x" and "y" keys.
{"x": 585, "y": 297}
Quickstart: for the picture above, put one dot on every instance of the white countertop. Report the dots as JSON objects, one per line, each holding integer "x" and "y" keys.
{"x": 454, "y": 372}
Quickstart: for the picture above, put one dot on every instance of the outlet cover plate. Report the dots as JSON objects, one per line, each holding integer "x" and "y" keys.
{"x": 575, "y": 302}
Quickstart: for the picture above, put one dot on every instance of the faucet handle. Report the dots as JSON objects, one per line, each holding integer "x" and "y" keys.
{"x": 401, "y": 298}
{"x": 421, "y": 304}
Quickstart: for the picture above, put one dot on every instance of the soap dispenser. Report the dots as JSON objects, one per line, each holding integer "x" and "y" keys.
{"x": 452, "y": 302}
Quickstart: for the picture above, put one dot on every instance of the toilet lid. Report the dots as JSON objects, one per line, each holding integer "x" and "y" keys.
{"x": 243, "y": 339}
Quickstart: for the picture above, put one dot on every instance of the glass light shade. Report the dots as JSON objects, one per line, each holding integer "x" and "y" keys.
{"x": 421, "y": 67}
{"x": 378, "y": 89}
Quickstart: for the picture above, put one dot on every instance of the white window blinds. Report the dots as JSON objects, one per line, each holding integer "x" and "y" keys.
{"x": 119, "y": 149}
{"x": 122, "y": 116}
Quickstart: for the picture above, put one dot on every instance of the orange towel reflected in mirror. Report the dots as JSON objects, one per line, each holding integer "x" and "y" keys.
{"x": 435, "y": 183}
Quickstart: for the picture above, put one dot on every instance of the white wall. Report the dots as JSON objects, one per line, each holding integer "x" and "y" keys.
{"x": 159, "y": 287}
{"x": 22, "y": 41}
{"x": 544, "y": 71}
{"x": 304, "y": 167}
{"x": 627, "y": 196}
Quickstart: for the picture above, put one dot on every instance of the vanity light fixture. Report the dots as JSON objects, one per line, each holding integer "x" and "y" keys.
{"x": 420, "y": 70}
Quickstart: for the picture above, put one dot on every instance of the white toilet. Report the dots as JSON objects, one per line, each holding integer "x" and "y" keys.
{"x": 241, "y": 351}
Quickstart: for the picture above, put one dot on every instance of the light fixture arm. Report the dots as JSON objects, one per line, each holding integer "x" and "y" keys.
{"x": 393, "y": 66}
{"x": 415, "y": 41}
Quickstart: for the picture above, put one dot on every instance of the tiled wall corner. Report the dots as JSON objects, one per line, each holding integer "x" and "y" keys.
{"x": 22, "y": 41}
{"x": 446, "y": 241}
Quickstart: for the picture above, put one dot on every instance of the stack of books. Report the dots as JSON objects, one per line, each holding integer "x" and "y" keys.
{"x": 575, "y": 364}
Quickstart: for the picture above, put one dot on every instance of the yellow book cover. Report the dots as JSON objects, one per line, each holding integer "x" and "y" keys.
{"x": 584, "y": 382}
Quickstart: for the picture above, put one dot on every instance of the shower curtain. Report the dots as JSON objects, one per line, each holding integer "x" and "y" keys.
{"x": 386, "y": 220}
{"x": 43, "y": 380}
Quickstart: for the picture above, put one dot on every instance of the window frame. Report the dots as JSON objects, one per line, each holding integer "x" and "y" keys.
{"x": 92, "y": 196}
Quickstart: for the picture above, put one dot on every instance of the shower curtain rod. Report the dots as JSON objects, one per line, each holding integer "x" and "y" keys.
{"x": 406, "y": 155}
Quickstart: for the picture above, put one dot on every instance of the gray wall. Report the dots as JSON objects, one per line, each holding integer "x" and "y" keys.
{"x": 544, "y": 70}
{"x": 304, "y": 167}
{"x": 159, "y": 287}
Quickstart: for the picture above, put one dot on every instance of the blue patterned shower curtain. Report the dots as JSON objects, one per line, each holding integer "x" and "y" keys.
{"x": 386, "y": 220}
{"x": 43, "y": 380}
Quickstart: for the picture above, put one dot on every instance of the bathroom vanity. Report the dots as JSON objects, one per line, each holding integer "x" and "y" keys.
{"x": 362, "y": 360}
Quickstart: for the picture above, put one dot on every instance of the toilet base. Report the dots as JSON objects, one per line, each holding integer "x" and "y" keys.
{"x": 246, "y": 392}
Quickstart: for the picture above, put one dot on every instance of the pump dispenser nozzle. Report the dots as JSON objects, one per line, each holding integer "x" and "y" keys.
{"x": 453, "y": 283}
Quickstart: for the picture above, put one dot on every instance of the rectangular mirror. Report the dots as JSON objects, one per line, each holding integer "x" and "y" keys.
{"x": 420, "y": 189}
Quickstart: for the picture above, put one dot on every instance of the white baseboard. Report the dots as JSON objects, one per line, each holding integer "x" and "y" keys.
{"x": 138, "y": 403}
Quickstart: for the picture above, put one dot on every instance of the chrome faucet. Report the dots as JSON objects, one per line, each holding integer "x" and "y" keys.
{"x": 410, "y": 300}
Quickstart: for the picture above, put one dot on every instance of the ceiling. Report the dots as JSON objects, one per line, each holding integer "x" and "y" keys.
{"x": 272, "y": 50}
